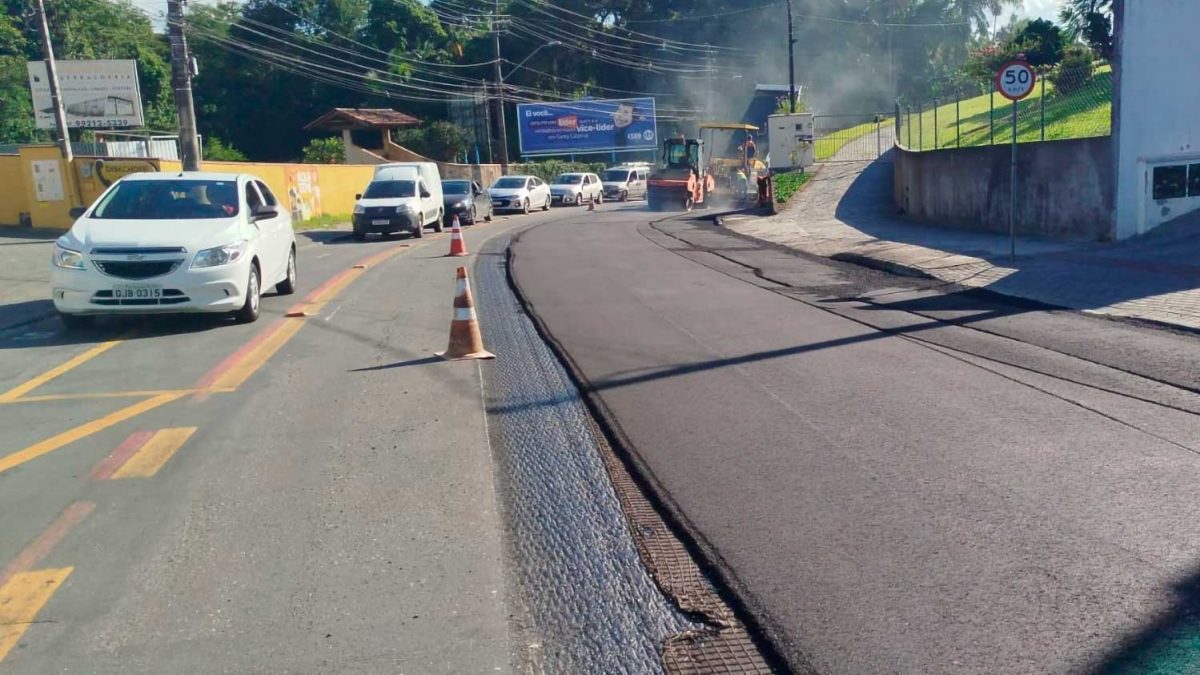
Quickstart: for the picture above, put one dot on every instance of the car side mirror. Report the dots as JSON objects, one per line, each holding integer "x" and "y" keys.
{"x": 358, "y": 196}
{"x": 262, "y": 212}
{"x": 77, "y": 212}
{"x": 426, "y": 193}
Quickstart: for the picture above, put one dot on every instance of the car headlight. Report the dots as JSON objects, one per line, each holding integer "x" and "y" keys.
{"x": 358, "y": 209}
{"x": 67, "y": 258}
{"x": 459, "y": 205}
{"x": 219, "y": 255}
{"x": 406, "y": 208}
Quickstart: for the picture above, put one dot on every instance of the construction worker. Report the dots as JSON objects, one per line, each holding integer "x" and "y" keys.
{"x": 751, "y": 149}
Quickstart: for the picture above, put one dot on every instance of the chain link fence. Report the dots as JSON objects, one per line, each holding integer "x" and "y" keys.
{"x": 1065, "y": 103}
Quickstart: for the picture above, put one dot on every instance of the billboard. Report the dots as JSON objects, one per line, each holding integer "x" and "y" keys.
{"x": 96, "y": 94}
{"x": 612, "y": 125}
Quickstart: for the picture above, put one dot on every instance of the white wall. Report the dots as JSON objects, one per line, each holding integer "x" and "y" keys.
{"x": 1159, "y": 113}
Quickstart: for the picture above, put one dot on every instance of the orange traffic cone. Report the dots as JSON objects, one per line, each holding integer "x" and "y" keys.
{"x": 466, "y": 342}
{"x": 458, "y": 245}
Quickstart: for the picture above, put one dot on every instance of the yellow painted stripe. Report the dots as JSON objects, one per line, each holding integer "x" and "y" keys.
{"x": 241, "y": 371}
{"x": 109, "y": 394}
{"x": 26, "y": 387}
{"x": 71, "y": 435}
{"x": 155, "y": 453}
{"x": 20, "y": 601}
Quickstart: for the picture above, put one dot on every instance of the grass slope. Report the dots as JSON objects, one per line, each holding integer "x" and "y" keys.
{"x": 1079, "y": 114}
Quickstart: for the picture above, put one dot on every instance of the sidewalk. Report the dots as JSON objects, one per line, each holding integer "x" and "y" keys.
{"x": 846, "y": 213}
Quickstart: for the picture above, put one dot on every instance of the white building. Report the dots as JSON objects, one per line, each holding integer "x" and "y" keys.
{"x": 1157, "y": 120}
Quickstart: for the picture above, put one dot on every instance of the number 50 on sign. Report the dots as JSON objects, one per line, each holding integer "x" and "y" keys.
{"x": 1015, "y": 80}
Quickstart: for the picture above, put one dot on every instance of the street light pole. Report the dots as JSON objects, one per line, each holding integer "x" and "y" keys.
{"x": 60, "y": 114}
{"x": 181, "y": 83}
{"x": 499, "y": 78}
{"x": 791, "y": 60}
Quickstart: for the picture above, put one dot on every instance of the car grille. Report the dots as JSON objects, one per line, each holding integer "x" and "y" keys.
{"x": 379, "y": 211}
{"x": 170, "y": 296}
{"x": 155, "y": 250}
{"x": 140, "y": 269}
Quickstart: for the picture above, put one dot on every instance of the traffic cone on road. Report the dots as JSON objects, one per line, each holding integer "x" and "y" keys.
{"x": 458, "y": 245}
{"x": 466, "y": 342}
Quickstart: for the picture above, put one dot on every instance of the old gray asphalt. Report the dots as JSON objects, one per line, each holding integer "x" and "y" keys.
{"x": 890, "y": 492}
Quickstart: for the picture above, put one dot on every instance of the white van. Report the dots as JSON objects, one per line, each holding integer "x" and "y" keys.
{"x": 404, "y": 196}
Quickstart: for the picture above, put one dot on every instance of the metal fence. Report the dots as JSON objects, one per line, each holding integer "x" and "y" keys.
{"x": 852, "y": 138}
{"x": 1062, "y": 105}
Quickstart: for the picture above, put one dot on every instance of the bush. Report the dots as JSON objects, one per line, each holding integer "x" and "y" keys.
{"x": 548, "y": 169}
{"x": 1075, "y": 71}
{"x": 440, "y": 141}
{"x": 786, "y": 184}
{"x": 216, "y": 150}
{"x": 325, "y": 151}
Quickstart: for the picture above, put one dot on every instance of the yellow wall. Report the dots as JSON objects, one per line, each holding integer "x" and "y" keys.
{"x": 308, "y": 190}
{"x": 12, "y": 192}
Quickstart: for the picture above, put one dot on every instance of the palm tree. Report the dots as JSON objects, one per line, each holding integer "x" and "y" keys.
{"x": 1090, "y": 21}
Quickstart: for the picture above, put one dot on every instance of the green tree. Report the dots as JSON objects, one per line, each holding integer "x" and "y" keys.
{"x": 1090, "y": 21}
{"x": 1041, "y": 41}
{"x": 440, "y": 140}
{"x": 219, "y": 151}
{"x": 325, "y": 151}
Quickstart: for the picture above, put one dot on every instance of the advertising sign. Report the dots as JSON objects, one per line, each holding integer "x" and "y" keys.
{"x": 612, "y": 125}
{"x": 96, "y": 94}
{"x": 304, "y": 193}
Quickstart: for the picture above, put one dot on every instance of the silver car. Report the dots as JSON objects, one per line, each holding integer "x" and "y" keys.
{"x": 520, "y": 193}
{"x": 625, "y": 183}
{"x": 577, "y": 188}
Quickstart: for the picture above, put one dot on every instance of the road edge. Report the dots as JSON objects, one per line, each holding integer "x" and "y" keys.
{"x": 764, "y": 631}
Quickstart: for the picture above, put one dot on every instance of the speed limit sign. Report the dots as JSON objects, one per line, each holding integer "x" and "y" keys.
{"x": 1015, "y": 80}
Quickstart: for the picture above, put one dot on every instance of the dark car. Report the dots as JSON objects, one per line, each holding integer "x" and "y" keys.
{"x": 466, "y": 199}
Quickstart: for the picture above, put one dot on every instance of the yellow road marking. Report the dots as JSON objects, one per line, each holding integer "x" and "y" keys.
{"x": 26, "y": 387}
{"x": 241, "y": 371}
{"x": 21, "y": 599}
{"x": 87, "y": 429}
{"x": 154, "y": 454}
{"x": 111, "y": 394}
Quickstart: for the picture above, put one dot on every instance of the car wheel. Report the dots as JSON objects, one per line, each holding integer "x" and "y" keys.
{"x": 419, "y": 232}
{"x": 76, "y": 321}
{"x": 288, "y": 285}
{"x": 490, "y": 213}
{"x": 624, "y": 196}
{"x": 525, "y": 206}
{"x": 474, "y": 216}
{"x": 360, "y": 234}
{"x": 439, "y": 225}
{"x": 249, "y": 311}
{"x": 600, "y": 198}
{"x": 546, "y": 206}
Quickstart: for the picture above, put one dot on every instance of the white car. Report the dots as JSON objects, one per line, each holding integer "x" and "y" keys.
{"x": 520, "y": 193}
{"x": 577, "y": 189}
{"x": 179, "y": 242}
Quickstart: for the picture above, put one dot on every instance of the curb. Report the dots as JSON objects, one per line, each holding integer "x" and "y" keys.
{"x": 899, "y": 269}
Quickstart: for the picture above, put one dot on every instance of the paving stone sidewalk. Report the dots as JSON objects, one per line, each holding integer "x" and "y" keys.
{"x": 846, "y": 213}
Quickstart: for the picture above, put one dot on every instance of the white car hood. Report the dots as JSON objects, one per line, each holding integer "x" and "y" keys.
{"x": 393, "y": 202}
{"x": 194, "y": 235}
{"x": 506, "y": 192}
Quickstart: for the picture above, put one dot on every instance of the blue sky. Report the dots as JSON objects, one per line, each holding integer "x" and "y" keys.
{"x": 1044, "y": 9}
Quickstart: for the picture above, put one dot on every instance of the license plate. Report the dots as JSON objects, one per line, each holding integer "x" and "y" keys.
{"x": 381, "y": 222}
{"x": 497, "y": 203}
{"x": 137, "y": 292}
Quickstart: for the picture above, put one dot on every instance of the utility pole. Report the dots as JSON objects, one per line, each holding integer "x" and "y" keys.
{"x": 181, "y": 84}
{"x": 503, "y": 126}
{"x": 708, "y": 106}
{"x": 60, "y": 114}
{"x": 791, "y": 60}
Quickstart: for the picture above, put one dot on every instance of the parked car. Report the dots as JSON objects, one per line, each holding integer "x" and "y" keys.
{"x": 178, "y": 242}
{"x": 622, "y": 183}
{"x": 467, "y": 200}
{"x": 577, "y": 188}
{"x": 397, "y": 204}
{"x": 520, "y": 193}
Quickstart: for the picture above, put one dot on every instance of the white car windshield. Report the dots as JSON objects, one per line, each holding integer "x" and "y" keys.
{"x": 510, "y": 183}
{"x": 169, "y": 200}
{"x": 390, "y": 189}
{"x": 616, "y": 176}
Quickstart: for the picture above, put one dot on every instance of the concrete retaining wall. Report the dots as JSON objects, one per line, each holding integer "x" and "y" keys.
{"x": 1065, "y": 188}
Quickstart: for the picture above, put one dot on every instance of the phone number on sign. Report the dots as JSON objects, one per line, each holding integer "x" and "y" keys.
{"x": 107, "y": 123}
